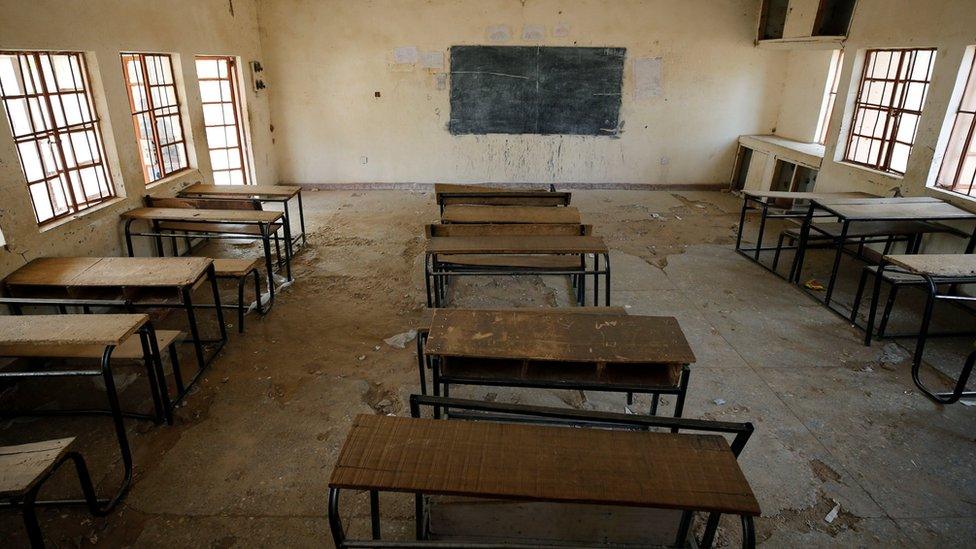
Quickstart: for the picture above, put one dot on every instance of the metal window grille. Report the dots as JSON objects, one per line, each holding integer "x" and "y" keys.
{"x": 222, "y": 108}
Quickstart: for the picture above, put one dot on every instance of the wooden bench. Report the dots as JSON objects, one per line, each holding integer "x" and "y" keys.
{"x": 450, "y": 194}
{"x": 934, "y": 270}
{"x": 509, "y": 214}
{"x": 239, "y": 270}
{"x": 26, "y": 467}
{"x": 592, "y": 466}
{"x": 437, "y": 270}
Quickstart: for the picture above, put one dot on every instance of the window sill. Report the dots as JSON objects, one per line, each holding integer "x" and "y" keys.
{"x": 173, "y": 177}
{"x": 954, "y": 198}
{"x": 889, "y": 175}
{"x": 84, "y": 213}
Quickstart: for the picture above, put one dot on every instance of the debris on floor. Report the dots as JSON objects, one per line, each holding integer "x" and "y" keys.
{"x": 814, "y": 284}
{"x": 400, "y": 341}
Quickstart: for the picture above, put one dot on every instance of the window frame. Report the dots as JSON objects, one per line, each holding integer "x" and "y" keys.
{"x": 890, "y": 112}
{"x": 236, "y": 101}
{"x": 830, "y": 98}
{"x": 151, "y": 111}
{"x": 969, "y": 142}
{"x": 53, "y": 133}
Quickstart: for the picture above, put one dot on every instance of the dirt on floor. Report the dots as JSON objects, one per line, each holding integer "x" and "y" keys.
{"x": 838, "y": 424}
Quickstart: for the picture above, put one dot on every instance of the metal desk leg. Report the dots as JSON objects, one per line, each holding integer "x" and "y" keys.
{"x": 212, "y": 275}
{"x": 762, "y": 229}
{"x": 430, "y": 302}
{"x": 875, "y": 296}
{"x": 288, "y": 249}
{"x": 266, "y": 240}
{"x": 801, "y": 248}
{"x": 596, "y": 280}
{"x": 374, "y": 513}
{"x": 117, "y": 419}
{"x": 923, "y": 332}
{"x": 420, "y": 516}
{"x": 191, "y": 320}
{"x": 128, "y": 236}
{"x": 335, "y": 523}
{"x": 840, "y": 252}
{"x": 606, "y": 257}
{"x": 742, "y": 223}
{"x": 301, "y": 218}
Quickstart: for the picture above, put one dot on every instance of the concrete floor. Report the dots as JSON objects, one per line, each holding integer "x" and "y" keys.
{"x": 247, "y": 463}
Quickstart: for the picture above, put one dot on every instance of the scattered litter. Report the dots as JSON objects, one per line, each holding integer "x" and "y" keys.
{"x": 362, "y": 357}
{"x": 677, "y": 217}
{"x": 968, "y": 402}
{"x": 814, "y": 284}
{"x": 376, "y": 348}
{"x": 656, "y": 216}
{"x": 892, "y": 354}
{"x": 832, "y": 514}
{"x": 719, "y": 401}
{"x": 628, "y": 410}
{"x": 400, "y": 341}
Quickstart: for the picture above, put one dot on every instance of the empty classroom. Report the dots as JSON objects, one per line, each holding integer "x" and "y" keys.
{"x": 487, "y": 273}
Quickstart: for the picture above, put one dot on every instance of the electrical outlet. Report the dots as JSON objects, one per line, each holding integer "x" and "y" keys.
{"x": 364, "y": 160}
{"x": 665, "y": 160}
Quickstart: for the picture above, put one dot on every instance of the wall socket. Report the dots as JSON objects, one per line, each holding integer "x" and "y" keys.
{"x": 364, "y": 160}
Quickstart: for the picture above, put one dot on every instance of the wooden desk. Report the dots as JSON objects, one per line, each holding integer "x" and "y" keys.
{"x": 54, "y": 277}
{"x": 560, "y": 349}
{"x": 763, "y": 201}
{"x": 53, "y": 335}
{"x": 281, "y": 194}
{"x": 933, "y": 270}
{"x": 201, "y": 220}
{"x": 436, "y": 270}
{"x": 554, "y": 464}
{"x": 509, "y": 214}
{"x": 877, "y": 209}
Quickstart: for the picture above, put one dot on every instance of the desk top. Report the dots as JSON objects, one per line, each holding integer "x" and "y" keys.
{"x": 60, "y": 330}
{"x": 241, "y": 191}
{"x": 510, "y": 214}
{"x": 516, "y": 245}
{"x": 937, "y": 265}
{"x": 22, "y": 466}
{"x": 203, "y": 215}
{"x": 550, "y": 335}
{"x": 455, "y": 188}
{"x": 893, "y": 209}
{"x": 111, "y": 271}
{"x": 558, "y": 464}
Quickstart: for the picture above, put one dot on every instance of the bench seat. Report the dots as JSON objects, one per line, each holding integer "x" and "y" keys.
{"x": 235, "y": 267}
{"x": 859, "y": 229}
{"x": 131, "y": 348}
{"x": 541, "y": 262}
{"x": 24, "y": 465}
{"x": 219, "y": 228}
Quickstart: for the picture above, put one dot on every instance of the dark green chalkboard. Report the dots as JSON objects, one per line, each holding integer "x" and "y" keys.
{"x": 535, "y": 90}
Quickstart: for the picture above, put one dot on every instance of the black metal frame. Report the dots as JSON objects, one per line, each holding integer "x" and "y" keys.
{"x": 441, "y": 383}
{"x": 753, "y": 254}
{"x": 437, "y": 276}
{"x": 28, "y": 503}
{"x": 932, "y": 285}
{"x": 240, "y": 305}
{"x": 742, "y": 432}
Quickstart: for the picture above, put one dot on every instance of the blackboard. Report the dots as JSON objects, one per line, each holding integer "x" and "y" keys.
{"x": 535, "y": 90}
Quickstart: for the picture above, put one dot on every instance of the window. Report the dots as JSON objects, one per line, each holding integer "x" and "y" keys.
{"x": 833, "y": 78}
{"x": 958, "y": 169}
{"x": 887, "y": 108}
{"x": 222, "y": 108}
{"x": 56, "y": 131}
{"x": 155, "y": 111}
{"x": 772, "y": 19}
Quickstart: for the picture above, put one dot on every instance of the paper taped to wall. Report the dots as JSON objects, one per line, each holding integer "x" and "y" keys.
{"x": 533, "y": 33}
{"x": 405, "y": 55}
{"x": 432, "y": 60}
{"x": 499, "y": 33}
{"x": 647, "y": 78}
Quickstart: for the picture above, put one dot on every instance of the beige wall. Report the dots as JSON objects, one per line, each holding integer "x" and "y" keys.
{"x": 326, "y": 58}
{"x": 103, "y": 28}
{"x": 949, "y": 25}
{"x": 803, "y": 93}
